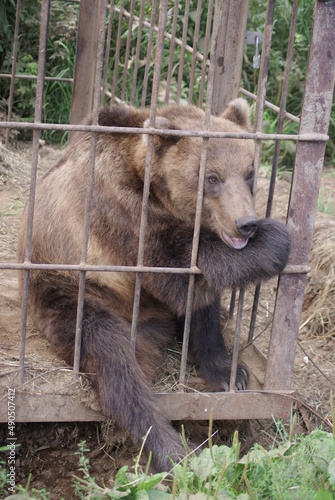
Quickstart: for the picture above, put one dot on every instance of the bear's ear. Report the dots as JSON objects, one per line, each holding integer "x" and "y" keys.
{"x": 161, "y": 141}
{"x": 238, "y": 112}
{"x": 119, "y": 116}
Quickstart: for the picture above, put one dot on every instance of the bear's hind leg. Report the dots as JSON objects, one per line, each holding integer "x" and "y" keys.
{"x": 107, "y": 355}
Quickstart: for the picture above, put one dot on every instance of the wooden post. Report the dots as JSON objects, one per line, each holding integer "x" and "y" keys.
{"x": 86, "y": 53}
{"x": 230, "y": 53}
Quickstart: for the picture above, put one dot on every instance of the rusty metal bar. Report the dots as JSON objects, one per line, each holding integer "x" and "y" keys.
{"x": 99, "y": 268}
{"x": 234, "y": 361}
{"x": 202, "y": 168}
{"x": 147, "y": 175}
{"x": 172, "y": 44}
{"x": 126, "y": 59}
{"x": 147, "y": 64}
{"x": 183, "y": 49}
{"x": 317, "y": 102}
{"x": 117, "y": 50}
{"x": 34, "y": 77}
{"x": 195, "y": 49}
{"x": 281, "y": 118}
{"x": 305, "y": 137}
{"x": 138, "y": 48}
{"x": 205, "y": 58}
{"x": 90, "y": 183}
{"x": 45, "y": 12}
{"x": 177, "y": 41}
{"x": 14, "y": 58}
{"x": 107, "y": 52}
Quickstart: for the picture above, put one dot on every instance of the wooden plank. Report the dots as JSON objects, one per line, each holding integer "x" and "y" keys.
{"x": 230, "y": 53}
{"x": 86, "y": 52}
{"x": 175, "y": 406}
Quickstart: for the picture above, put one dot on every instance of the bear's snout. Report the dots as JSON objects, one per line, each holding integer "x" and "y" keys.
{"x": 246, "y": 226}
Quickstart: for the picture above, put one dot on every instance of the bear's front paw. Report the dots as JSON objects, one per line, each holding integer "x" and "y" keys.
{"x": 219, "y": 380}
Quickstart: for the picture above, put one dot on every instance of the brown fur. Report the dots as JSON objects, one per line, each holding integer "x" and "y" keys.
{"x": 228, "y": 222}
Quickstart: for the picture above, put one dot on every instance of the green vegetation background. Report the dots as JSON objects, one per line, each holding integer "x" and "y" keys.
{"x": 61, "y": 56}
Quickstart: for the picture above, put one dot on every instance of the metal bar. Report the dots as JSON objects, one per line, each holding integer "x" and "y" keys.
{"x": 232, "y": 385}
{"x": 269, "y": 105}
{"x": 172, "y": 44}
{"x": 301, "y": 137}
{"x": 107, "y": 52}
{"x": 126, "y": 59}
{"x": 138, "y": 49}
{"x": 317, "y": 103}
{"x": 147, "y": 63}
{"x": 277, "y": 146}
{"x": 45, "y": 12}
{"x": 90, "y": 182}
{"x": 97, "y": 268}
{"x": 195, "y": 49}
{"x": 147, "y": 175}
{"x": 14, "y": 58}
{"x": 34, "y": 77}
{"x": 202, "y": 168}
{"x": 205, "y": 58}
{"x": 183, "y": 49}
{"x": 117, "y": 50}
{"x": 177, "y": 41}
{"x": 232, "y": 303}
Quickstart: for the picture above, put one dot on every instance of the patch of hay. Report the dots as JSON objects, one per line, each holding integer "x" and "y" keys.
{"x": 319, "y": 300}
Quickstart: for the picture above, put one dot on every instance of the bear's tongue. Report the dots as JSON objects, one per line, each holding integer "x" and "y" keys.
{"x": 237, "y": 243}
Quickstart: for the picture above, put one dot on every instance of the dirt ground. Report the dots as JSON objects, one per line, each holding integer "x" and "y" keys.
{"x": 47, "y": 455}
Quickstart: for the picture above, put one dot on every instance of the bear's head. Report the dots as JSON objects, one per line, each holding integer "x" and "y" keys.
{"x": 228, "y": 205}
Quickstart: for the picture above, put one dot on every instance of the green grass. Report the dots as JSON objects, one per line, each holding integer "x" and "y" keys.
{"x": 300, "y": 468}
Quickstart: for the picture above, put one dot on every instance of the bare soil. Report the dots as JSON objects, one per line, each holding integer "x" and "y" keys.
{"x": 47, "y": 456}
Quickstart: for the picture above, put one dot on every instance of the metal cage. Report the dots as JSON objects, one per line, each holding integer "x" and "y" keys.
{"x": 216, "y": 66}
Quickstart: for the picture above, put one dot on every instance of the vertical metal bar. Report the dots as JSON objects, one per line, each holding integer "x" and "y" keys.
{"x": 194, "y": 54}
{"x": 203, "y": 160}
{"x": 107, "y": 51}
{"x": 182, "y": 52}
{"x": 230, "y": 54}
{"x": 90, "y": 184}
{"x": 117, "y": 51}
{"x": 126, "y": 60}
{"x": 14, "y": 58}
{"x": 147, "y": 64}
{"x": 172, "y": 45}
{"x": 232, "y": 303}
{"x": 277, "y": 146}
{"x": 138, "y": 49}
{"x": 234, "y": 361}
{"x": 147, "y": 175}
{"x": 317, "y": 103}
{"x": 45, "y": 11}
{"x": 84, "y": 73}
{"x": 206, "y": 48}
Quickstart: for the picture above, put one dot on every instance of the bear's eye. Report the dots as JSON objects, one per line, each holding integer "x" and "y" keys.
{"x": 213, "y": 179}
{"x": 250, "y": 175}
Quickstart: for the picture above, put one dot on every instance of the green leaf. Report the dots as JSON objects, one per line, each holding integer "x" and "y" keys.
{"x": 331, "y": 472}
{"x": 323, "y": 495}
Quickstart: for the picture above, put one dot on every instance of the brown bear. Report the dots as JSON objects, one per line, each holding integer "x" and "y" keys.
{"x": 234, "y": 250}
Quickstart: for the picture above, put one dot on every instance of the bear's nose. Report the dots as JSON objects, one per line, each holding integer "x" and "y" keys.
{"x": 246, "y": 226}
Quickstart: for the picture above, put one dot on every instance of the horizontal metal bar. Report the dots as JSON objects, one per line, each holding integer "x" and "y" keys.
{"x": 87, "y": 267}
{"x": 308, "y": 137}
{"x": 34, "y": 77}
